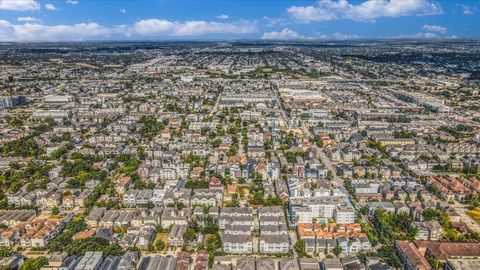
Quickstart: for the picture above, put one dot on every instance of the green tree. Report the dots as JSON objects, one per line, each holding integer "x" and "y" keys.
{"x": 160, "y": 245}
{"x": 189, "y": 235}
{"x": 55, "y": 210}
{"x": 300, "y": 248}
{"x": 34, "y": 263}
{"x": 337, "y": 250}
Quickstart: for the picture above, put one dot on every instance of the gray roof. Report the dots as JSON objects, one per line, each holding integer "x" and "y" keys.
{"x": 289, "y": 264}
{"x": 265, "y": 263}
{"x": 246, "y": 263}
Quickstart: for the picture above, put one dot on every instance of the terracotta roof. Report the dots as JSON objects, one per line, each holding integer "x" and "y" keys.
{"x": 445, "y": 250}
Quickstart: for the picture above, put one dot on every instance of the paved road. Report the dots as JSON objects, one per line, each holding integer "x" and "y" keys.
{"x": 323, "y": 157}
{"x": 281, "y": 110}
{"x": 462, "y": 211}
{"x": 215, "y": 107}
{"x": 293, "y": 240}
{"x": 328, "y": 164}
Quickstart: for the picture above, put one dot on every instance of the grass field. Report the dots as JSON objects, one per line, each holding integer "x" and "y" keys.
{"x": 475, "y": 214}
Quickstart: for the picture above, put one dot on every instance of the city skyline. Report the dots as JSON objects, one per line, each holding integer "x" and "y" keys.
{"x": 72, "y": 20}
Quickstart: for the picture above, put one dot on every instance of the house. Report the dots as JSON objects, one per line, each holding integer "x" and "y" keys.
{"x": 94, "y": 216}
{"x": 344, "y": 215}
{"x": 159, "y": 262}
{"x": 422, "y": 231}
{"x": 91, "y": 260}
{"x": 171, "y": 216}
{"x": 332, "y": 264}
{"x": 274, "y": 244}
{"x": 237, "y": 244}
{"x": 343, "y": 242}
{"x": 146, "y": 235}
{"x": 245, "y": 263}
{"x": 401, "y": 208}
{"x": 238, "y": 229}
{"x": 288, "y": 264}
{"x": 310, "y": 245}
{"x": 435, "y": 230}
{"x": 365, "y": 243}
{"x": 122, "y": 184}
{"x": 235, "y": 216}
{"x": 265, "y": 263}
{"x": 411, "y": 256}
{"x": 206, "y": 200}
{"x": 354, "y": 246}
{"x": 309, "y": 263}
{"x": 175, "y": 237}
{"x": 373, "y": 206}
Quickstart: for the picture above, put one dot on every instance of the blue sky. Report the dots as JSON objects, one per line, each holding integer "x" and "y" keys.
{"x": 59, "y": 20}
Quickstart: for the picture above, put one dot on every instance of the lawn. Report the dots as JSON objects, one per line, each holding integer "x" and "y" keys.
{"x": 475, "y": 214}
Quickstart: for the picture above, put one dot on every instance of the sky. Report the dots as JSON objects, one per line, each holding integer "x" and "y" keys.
{"x": 83, "y": 20}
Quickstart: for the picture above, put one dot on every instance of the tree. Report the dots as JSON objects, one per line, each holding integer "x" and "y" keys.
{"x": 300, "y": 248}
{"x": 55, "y": 210}
{"x": 337, "y": 250}
{"x": 79, "y": 247}
{"x": 189, "y": 235}
{"x": 214, "y": 242}
{"x": 5, "y": 252}
{"x": 160, "y": 245}
{"x": 329, "y": 175}
{"x": 34, "y": 263}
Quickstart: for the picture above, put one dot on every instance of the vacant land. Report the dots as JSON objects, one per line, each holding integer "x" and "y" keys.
{"x": 475, "y": 214}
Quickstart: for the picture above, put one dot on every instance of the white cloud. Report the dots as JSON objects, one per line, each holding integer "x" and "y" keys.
{"x": 369, "y": 10}
{"x": 467, "y": 10}
{"x": 39, "y": 32}
{"x": 72, "y": 2}
{"x": 335, "y": 36}
{"x": 285, "y": 34}
{"x": 434, "y": 28}
{"x": 153, "y": 27}
{"x": 271, "y": 22}
{"x": 310, "y": 13}
{"x": 123, "y": 11}
{"x": 341, "y": 36}
{"x": 28, "y": 19}
{"x": 419, "y": 35}
{"x": 427, "y": 35}
{"x": 222, "y": 16}
{"x": 84, "y": 31}
{"x": 19, "y": 5}
{"x": 50, "y": 7}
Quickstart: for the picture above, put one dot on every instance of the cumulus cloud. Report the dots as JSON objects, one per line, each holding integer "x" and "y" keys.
{"x": 434, "y": 28}
{"x": 420, "y": 35}
{"x": 223, "y": 16}
{"x": 426, "y": 35}
{"x": 31, "y": 31}
{"x": 50, "y": 7}
{"x": 39, "y": 32}
{"x": 285, "y": 34}
{"x": 467, "y": 10}
{"x": 335, "y": 36}
{"x": 271, "y": 22}
{"x": 153, "y": 27}
{"x": 342, "y": 36}
{"x": 28, "y": 19}
{"x": 311, "y": 13}
{"x": 19, "y": 5}
{"x": 72, "y": 2}
{"x": 369, "y": 10}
